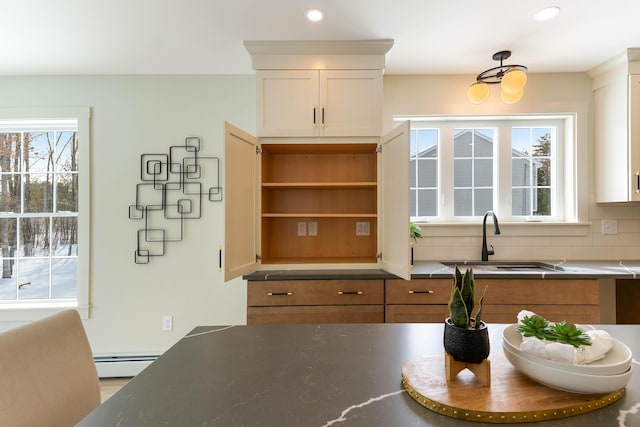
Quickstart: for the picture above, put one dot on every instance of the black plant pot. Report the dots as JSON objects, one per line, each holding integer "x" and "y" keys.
{"x": 466, "y": 345}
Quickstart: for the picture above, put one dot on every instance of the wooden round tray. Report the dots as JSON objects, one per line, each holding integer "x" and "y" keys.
{"x": 511, "y": 398}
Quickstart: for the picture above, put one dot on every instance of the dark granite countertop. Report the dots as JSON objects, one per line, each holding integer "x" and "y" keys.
{"x": 437, "y": 270}
{"x": 310, "y": 375}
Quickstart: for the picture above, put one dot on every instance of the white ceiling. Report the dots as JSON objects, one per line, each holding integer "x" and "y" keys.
{"x": 205, "y": 36}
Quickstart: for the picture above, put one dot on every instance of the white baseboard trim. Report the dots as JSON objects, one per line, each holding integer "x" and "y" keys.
{"x": 122, "y": 366}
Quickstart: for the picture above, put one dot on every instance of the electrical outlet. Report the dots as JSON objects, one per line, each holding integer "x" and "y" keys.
{"x": 167, "y": 322}
{"x": 363, "y": 229}
{"x": 312, "y": 228}
{"x": 609, "y": 226}
{"x": 302, "y": 229}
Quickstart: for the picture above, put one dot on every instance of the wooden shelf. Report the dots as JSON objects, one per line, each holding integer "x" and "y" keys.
{"x": 321, "y": 260}
{"x": 318, "y": 215}
{"x": 319, "y": 185}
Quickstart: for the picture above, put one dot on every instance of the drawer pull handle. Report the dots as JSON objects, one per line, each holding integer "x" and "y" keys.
{"x": 350, "y": 292}
{"x": 279, "y": 294}
{"x": 421, "y": 292}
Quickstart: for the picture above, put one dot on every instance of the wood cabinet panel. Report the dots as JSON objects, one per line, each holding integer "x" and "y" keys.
{"x": 314, "y": 197}
{"x": 503, "y": 313}
{"x": 544, "y": 291}
{"x": 418, "y": 291}
{"x": 315, "y": 292}
{"x": 316, "y": 314}
{"x": 627, "y": 301}
{"x": 418, "y": 300}
{"x": 436, "y": 313}
{"x": 433, "y": 313}
{"x": 425, "y": 300}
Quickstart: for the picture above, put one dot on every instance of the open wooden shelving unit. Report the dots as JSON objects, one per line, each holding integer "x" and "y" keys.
{"x": 329, "y": 187}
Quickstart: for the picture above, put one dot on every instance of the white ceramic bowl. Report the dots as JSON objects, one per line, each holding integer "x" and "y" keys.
{"x": 565, "y": 380}
{"x": 616, "y": 361}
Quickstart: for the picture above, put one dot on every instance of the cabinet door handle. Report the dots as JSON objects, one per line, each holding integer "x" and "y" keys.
{"x": 637, "y": 182}
{"x": 350, "y": 292}
{"x": 315, "y": 124}
{"x": 322, "y": 116}
{"x": 279, "y": 294}
{"x": 420, "y": 292}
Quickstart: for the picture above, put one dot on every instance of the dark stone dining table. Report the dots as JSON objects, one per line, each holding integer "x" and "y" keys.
{"x": 310, "y": 375}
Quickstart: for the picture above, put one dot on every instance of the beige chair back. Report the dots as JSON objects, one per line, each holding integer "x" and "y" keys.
{"x": 47, "y": 373}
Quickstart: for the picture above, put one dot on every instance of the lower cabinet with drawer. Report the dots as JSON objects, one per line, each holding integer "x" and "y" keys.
{"x": 425, "y": 300}
{"x": 315, "y": 301}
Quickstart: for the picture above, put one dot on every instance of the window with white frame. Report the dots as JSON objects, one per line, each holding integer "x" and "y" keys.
{"x": 461, "y": 168}
{"x": 41, "y": 235}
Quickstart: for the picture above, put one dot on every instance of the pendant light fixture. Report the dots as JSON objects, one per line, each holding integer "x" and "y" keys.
{"x": 512, "y": 79}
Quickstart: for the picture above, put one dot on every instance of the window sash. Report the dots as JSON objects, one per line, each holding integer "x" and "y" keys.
{"x": 502, "y": 160}
{"x": 55, "y": 119}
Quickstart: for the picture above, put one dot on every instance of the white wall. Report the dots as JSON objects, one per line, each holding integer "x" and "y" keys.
{"x": 544, "y": 93}
{"x": 132, "y": 115}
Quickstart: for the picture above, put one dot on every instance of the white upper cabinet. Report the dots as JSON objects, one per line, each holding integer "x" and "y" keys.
{"x": 319, "y": 88}
{"x": 302, "y": 103}
{"x": 616, "y": 91}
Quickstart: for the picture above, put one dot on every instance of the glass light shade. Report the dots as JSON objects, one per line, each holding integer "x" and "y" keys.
{"x": 478, "y": 93}
{"x": 514, "y": 81}
{"x": 511, "y": 97}
{"x": 314, "y": 15}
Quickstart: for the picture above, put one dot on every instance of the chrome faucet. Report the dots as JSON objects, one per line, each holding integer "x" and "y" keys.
{"x": 496, "y": 230}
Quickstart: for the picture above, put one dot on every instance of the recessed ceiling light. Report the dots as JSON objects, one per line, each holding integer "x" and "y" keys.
{"x": 314, "y": 15}
{"x": 547, "y": 13}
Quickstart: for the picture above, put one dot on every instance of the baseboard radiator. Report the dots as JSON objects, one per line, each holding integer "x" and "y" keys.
{"x": 122, "y": 366}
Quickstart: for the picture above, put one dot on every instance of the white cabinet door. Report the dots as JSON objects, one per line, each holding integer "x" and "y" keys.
{"x": 394, "y": 206}
{"x": 287, "y": 103}
{"x": 241, "y": 202}
{"x": 634, "y": 138}
{"x": 304, "y": 103}
{"x": 350, "y": 102}
{"x": 617, "y": 140}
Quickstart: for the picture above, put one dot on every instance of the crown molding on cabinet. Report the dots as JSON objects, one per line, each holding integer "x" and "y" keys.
{"x": 318, "y": 54}
{"x": 623, "y": 64}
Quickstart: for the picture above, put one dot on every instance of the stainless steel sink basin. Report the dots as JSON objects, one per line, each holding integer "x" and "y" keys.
{"x": 505, "y": 266}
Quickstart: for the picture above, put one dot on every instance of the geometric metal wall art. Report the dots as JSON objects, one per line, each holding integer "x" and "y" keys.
{"x": 173, "y": 189}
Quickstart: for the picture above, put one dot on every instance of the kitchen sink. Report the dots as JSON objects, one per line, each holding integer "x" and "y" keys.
{"x": 505, "y": 265}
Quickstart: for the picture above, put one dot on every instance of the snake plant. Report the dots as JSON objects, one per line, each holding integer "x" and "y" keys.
{"x": 461, "y": 302}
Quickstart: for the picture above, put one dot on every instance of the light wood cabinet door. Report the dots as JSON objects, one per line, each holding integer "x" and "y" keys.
{"x": 241, "y": 203}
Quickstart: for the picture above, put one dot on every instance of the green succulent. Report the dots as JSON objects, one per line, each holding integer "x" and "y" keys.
{"x": 534, "y": 326}
{"x": 461, "y": 302}
{"x": 568, "y": 333}
{"x": 561, "y": 332}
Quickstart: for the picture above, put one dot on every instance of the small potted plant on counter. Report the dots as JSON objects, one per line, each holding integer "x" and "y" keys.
{"x": 466, "y": 337}
{"x": 415, "y": 233}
